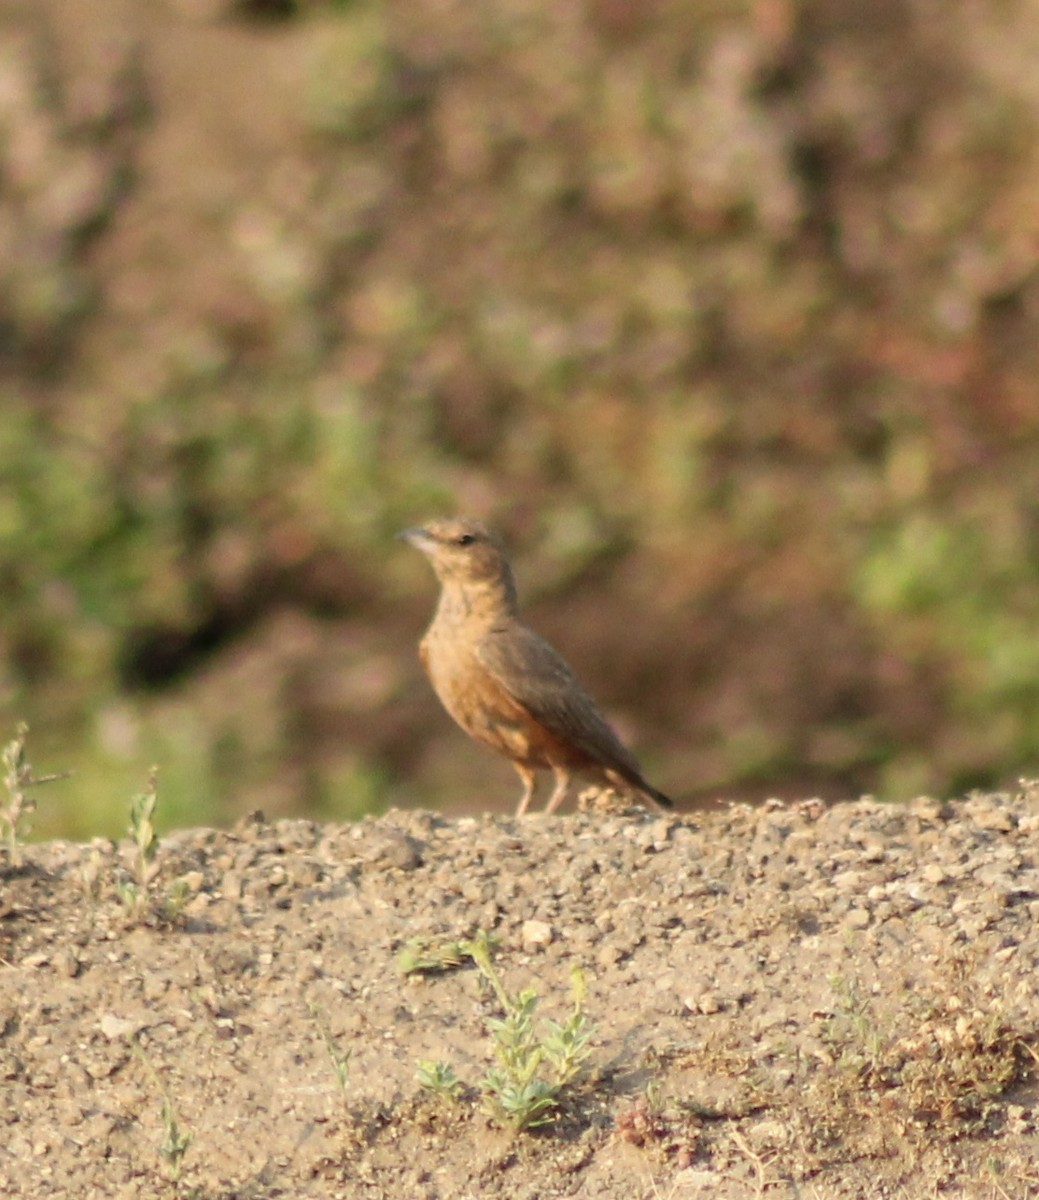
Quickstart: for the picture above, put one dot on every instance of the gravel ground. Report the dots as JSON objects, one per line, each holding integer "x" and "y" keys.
{"x": 790, "y": 1001}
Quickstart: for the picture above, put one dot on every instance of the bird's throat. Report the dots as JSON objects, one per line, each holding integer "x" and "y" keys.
{"x": 487, "y": 602}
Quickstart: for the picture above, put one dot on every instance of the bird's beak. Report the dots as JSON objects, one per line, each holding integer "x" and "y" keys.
{"x": 419, "y": 538}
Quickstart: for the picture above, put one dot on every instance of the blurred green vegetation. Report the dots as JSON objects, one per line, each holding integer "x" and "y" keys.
{"x": 725, "y": 314}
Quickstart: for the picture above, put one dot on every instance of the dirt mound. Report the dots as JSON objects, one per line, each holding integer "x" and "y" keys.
{"x": 798, "y": 1000}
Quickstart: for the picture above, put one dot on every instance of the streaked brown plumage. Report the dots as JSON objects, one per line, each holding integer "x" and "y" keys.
{"x": 504, "y": 685}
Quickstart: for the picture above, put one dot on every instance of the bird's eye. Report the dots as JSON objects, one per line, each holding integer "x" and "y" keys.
{"x": 466, "y": 539}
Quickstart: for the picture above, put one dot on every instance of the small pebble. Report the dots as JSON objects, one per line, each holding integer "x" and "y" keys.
{"x": 115, "y": 1027}
{"x": 536, "y": 934}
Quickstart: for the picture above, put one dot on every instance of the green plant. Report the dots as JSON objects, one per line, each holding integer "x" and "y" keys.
{"x": 567, "y": 1045}
{"x": 852, "y": 1030}
{"x": 175, "y": 1142}
{"x": 137, "y": 893}
{"x": 175, "y": 1139}
{"x": 423, "y": 956}
{"x": 339, "y": 1058}
{"x": 134, "y": 891}
{"x": 514, "y": 1091}
{"x": 534, "y": 1062}
{"x": 427, "y": 956}
{"x": 19, "y": 780}
{"x": 439, "y": 1078}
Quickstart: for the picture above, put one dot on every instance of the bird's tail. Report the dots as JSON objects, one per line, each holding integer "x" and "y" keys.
{"x": 656, "y": 799}
{"x": 635, "y": 783}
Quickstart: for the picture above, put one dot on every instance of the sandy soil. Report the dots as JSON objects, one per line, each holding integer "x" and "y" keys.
{"x": 789, "y": 1001}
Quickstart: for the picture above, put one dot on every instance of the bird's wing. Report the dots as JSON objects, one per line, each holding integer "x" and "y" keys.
{"x": 537, "y": 678}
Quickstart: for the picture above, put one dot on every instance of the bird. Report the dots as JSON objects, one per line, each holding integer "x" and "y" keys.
{"x": 501, "y": 682}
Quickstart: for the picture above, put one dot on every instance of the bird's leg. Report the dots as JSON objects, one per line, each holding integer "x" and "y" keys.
{"x": 559, "y": 791}
{"x": 528, "y": 776}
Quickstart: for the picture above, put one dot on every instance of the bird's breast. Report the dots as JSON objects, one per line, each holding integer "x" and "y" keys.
{"x": 485, "y": 709}
{"x": 474, "y": 698}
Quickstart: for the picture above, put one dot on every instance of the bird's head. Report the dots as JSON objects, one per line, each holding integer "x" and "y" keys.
{"x": 464, "y": 553}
